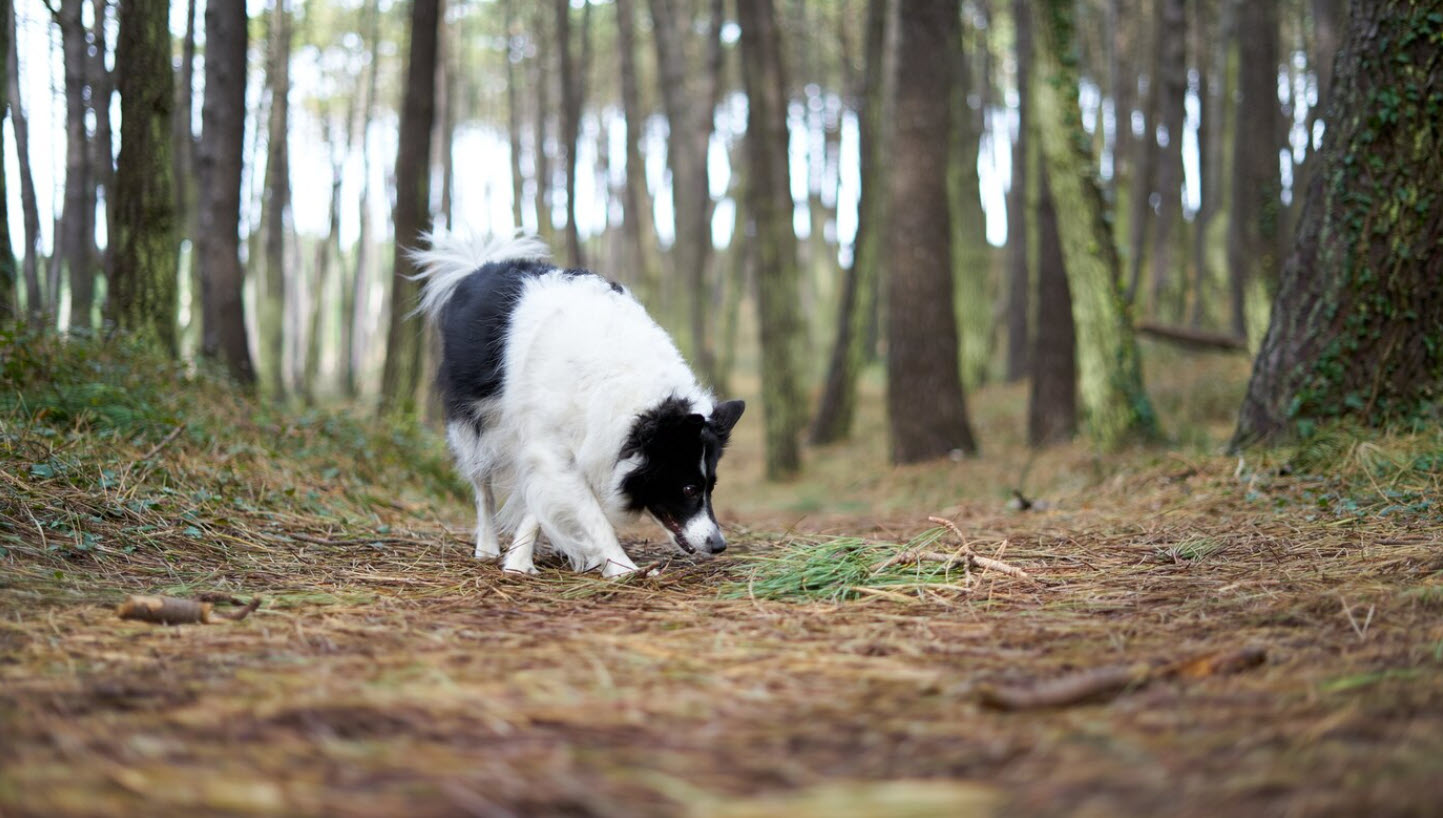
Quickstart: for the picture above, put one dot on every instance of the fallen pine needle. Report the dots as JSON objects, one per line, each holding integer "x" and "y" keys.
{"x": 169, "y": 610}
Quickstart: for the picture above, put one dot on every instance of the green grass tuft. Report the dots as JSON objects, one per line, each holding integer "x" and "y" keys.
{"x": 840, "y": 569}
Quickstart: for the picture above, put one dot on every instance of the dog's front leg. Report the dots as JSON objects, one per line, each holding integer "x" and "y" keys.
{"x": 487, "y": 545}
{"x": 520, "y": 557}
{"x": 572, "y": 517}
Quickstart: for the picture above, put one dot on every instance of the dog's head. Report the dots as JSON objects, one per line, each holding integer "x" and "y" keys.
{"x": 675, "y": 451}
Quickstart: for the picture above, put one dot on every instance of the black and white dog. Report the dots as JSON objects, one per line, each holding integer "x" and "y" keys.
{"x": 564, "y": 397}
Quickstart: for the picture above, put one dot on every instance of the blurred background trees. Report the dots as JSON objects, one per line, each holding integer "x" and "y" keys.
{"x": 789, "y": 187}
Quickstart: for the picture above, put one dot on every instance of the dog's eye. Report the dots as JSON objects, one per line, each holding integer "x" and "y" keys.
{"x": 689, "y": 491}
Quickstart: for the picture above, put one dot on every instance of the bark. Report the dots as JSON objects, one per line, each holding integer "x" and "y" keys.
{"x": 971, "y": 254}
{"x": 328, "y": 248}
{"x": 1116, "y": 407}
{"x": 1144, "y": 177}
{"x": 142, "y": 223}
{"x": 1214, "y": 87}
{"x": 636, "y": 200}
{"x": 925, "y": 405}
{"x": 514, "y": 54}
{"x": 8, "y": 306}
{"x": 1256, "y": 207}
{"x": 1052, "y": 404}
{"x": 1172, "y": 91}
{"x": 275, "y": 204}
{"x": 186, "y": 192}
{"x": 102, "y": 146}
{"x": 1355, "y": 329}
{"x": 769, "y": 206}
{"x": 571, "y": 100}
{"x": 353, "y": 347}
{"x": 405, "y": 337}
{"x": 1019, "y": 278}
{"x": 849, "y": 351}
{"x": 687, "y": 99}
{"x": 219, "y": 156}
{"x": 76, "y": 240}
{"x": 30, "y": 211}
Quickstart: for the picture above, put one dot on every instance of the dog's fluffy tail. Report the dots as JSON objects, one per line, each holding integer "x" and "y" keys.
{"x": 449, "y": 258}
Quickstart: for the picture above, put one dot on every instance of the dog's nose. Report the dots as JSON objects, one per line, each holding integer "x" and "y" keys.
{"x": 715, "y": 543}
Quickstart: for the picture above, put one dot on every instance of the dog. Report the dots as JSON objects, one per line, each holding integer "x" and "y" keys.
{"x": 563, "y": 396}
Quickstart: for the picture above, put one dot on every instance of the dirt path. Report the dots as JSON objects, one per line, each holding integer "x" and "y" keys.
{"x": 395, "y": 676}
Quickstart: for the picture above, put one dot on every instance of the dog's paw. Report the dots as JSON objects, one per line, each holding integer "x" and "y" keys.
{"x": 487, "y": 549}
{"x": 525, "y": 569}
{"x": 615, "y": 569}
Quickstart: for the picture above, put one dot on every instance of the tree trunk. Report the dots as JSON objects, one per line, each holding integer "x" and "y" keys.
{"x": 542, "y": 81}
{"x": 971, "y": 254}
{"x": 1256, "y": 208}
{"x": 849, "y": 352}
{"x": 276, "y": 202}
{"x": 769, "y": 207}
{"x": 1144, "y": 175}
{"x": 1110, "y": 373}
{"x": 1213, "y": 90}
{"x": 101, "y": 175}
{"x": 353, "y": 348}
{"x": 405, "y": 337}
{"x": 514, "y": 54}
{"x": 636, "y": 201}
{"x": 77, "y": 223}
{"x": 686, "y": 99}
{"x": 186, "y": 193}
{"x": 8, "y": 306}
{"x": 219, "y": 156}
{"x": 328, "y": 246}
{"x": 1355, "y": 330}
{"x": 571, "y": 100}
{"x": 925, "y": 404}
{"x": 143, "y": 291}
{"x": 1052, "y": 405}
{"x": 1019, "y": 277}
{"x": 1171, "y": 80}
{"x": 34, "y": 297}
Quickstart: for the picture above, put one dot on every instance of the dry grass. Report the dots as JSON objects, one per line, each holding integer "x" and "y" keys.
{"x": 388, "y": 673}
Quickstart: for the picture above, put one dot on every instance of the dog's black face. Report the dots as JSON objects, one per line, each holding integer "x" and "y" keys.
{"x": 678, "y": 451}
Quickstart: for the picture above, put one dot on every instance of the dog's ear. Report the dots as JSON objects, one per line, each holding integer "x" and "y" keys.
{"x": 725, "y": 416}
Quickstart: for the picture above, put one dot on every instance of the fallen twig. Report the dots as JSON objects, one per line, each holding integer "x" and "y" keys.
{"x": 973, "y": 559}
{"x": 169, "y": 610}
{"x": 1098, "y": 684}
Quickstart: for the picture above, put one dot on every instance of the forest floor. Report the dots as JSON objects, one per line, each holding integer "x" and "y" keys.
{"x": 388, "y": 673}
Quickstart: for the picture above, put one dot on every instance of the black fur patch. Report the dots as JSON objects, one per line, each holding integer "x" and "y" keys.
{"x": 679, "y": 450}
{"x": 473, "y": 326}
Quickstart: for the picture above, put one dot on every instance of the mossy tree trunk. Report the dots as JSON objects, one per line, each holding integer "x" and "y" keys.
{"x": 275, "y": 205}
{"x": 769, "y": 210}
{"x": 1357, "y": 326}
{"x": 849, "y": 351}
{"x": 971, "y": 254}
{"x": 925, "y": 405}
{"x": 144, "y": 295}
{"x": 1115, "y": 406}
{"x": 405, "y": 337}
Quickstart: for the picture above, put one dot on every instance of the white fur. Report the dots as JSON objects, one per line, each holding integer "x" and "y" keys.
{"x": 582, "y": 362}
{"x": 449, "y": 258}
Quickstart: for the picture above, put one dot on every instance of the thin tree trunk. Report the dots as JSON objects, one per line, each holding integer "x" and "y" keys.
{"x": 1144, "y": 177}
{"x": 30, "y": 211}
{"x": 276, "y": 201}
{"x": 9, "y": 309}
{"x": 571, "y": 99}
{"x": 1019, "y": 278}
{"x": 1213, "y": 88}
{"x": 513, "y": 108}
{"x": 838, "y": 404}
{"x": 542, "y": 80}
{"x": 689, "y": 119}
{"x": 143, "y": 291}
{"x": 102, "y": 147}
{"x": 769, "y": 206}
{"x": 186, "y": 193}
{"x": 444, "y": 140}
{"x": 1256, "y": 207}
{"x": 971, "y": 254}
{"x": 1355, "y": 329}
{"x": 360, "y": 313}
{"x": 330, "y": 245}
{"x": 926, "y": 408}
{"x": 1052, "y": 405}
{"x": 1110, "y": 372}
{"x": 405, "y": 336}
{"x": 1172, "y": 92}
{"x": 636, "y": 201}
{"x": 75, "y": 243}
{"x": 219, "y": 156}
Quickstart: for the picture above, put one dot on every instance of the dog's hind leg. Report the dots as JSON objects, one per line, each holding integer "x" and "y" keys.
{"x": 520, "y": 557}
{"x": 487, "y": 545}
